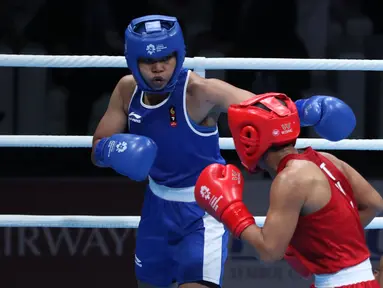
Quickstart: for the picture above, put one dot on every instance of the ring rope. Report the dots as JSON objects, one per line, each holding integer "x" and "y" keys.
{"x": 226, "y": 143}
{"x": 199, "y": 63}
{"x": 87, "y": 221}
{"x": 103, "y": 61}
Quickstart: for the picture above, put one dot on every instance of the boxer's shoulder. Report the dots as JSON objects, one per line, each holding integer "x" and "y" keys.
{"x": 334, "y": 160}
{"x": 195, "y": 85}
{"x": 198, "y": 97}
{"x": 126, "y": 85}
{"x": 287, "y": 187}
{"x": 125, "y": 89}
{"x": 203, "y": 89}
{"x": 300, "y": 169}
{"x": 300, "y": 175}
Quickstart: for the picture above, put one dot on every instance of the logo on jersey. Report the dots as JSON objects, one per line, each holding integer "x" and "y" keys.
{"x": 337, "y": 183}
{"x": 172, "y": 115}
{"x": 137, "y": 261}
{"x": 134, "y": 117}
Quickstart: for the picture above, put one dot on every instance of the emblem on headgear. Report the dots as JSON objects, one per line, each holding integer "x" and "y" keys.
{"x": 154, "y": 36}
{"x": 150, "y": 49}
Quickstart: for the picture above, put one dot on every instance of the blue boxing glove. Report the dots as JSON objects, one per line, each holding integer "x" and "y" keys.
{"x": 332, "y": 119}
{"x": 128, "y": 154}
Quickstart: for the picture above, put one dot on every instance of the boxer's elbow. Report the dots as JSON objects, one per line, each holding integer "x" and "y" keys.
{"x": 379, "y": 207}
{"x": 375, "y": 207}
{"x": 267, "y": 259}
{"x": 270, "y": 253}
{"x": 273, "y": 250}
{"x": 367, "y": 213}
{"x": 267, "y": 251}
{"x": 270, "y": 256}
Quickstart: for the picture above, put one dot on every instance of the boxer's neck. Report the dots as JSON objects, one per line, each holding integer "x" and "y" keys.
{"x": 273, "y": 158}
{"x": 154, "y": 99}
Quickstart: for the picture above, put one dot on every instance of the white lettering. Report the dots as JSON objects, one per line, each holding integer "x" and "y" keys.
{"x": 214, "y": 202}
{"x": 96, "y": 240}
{"x": 111, "y": 147}
{"x": 27, "y": 240}
{"x": 337, "y": 183}
{"x": 134, "y": 117}
{"x": 119, "y": 240}
{"x": 257, "y": 273}
{"x": 7, "y": 241}
{"x": 135, "y": 120}
{"x": 64, "y": 236}
{"x": 286, "y": 128}
{"x": 283, "y": 132}
{"x": 235, "y": 176}
{"x": 324, "y": 168}
{"x": 62, "y": 241}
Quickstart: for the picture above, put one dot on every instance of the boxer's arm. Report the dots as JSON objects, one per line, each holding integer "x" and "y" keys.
{"x": 217, "y": 93}
{"x": 378, "y": 273}
{"x": 369, "y": 201}
{"x": 114, "y": 120}
{"x": 286, "y": 200}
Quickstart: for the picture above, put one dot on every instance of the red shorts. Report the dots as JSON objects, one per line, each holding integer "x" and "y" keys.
{"x": 366, "y": 284}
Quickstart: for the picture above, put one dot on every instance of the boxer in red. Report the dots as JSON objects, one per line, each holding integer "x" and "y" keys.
{"x": 319, "y": 204}
{"x": 378, "y": 272}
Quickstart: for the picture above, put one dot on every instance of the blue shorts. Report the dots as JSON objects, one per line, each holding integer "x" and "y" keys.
{"x": 177, "y": 241}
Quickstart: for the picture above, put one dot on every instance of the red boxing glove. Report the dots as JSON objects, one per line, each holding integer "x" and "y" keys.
{"x": 219, "y": 192}
{"x": 296, "y": 264}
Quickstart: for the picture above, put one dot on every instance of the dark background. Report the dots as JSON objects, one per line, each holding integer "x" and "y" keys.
{"x": 71, "y": 101}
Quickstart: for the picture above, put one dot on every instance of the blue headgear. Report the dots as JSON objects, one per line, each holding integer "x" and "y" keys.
{"x": 154, "y": 36}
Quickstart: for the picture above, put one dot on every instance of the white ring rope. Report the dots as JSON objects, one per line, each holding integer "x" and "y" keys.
{"x": 198, "y": 63}
{"x": 85, "y": 61}
{"x": 85, "y": 221}
{"x": 50, "y": 141}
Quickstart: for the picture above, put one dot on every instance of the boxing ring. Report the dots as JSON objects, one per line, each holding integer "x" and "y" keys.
{"x": 199, "y": 65}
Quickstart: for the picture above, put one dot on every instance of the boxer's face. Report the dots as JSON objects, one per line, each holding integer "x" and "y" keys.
{"x": 157, "y": 72}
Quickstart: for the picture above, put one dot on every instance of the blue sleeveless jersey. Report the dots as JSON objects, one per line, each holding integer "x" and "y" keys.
{"x": 184, "y": 148}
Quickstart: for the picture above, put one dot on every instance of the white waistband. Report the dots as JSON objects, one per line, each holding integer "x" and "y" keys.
{"x": 172, "y": 194}
{"x": 351, "y": 275}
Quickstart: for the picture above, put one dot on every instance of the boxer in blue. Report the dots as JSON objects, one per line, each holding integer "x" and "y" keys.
{"x": 171, "y": 114}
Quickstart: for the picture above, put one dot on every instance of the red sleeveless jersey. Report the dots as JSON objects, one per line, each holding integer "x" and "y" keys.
{"x": 331, "y": 238}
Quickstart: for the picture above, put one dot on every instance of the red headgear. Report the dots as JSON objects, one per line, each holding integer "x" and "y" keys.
{"x": 255, "y": 130}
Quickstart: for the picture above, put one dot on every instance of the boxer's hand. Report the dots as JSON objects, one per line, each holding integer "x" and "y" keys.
{"x": 296, "y": 264}
{"x": 219, "y": 192}
{"x": 128, "y": 154}
{"x": 332, "y": 119}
